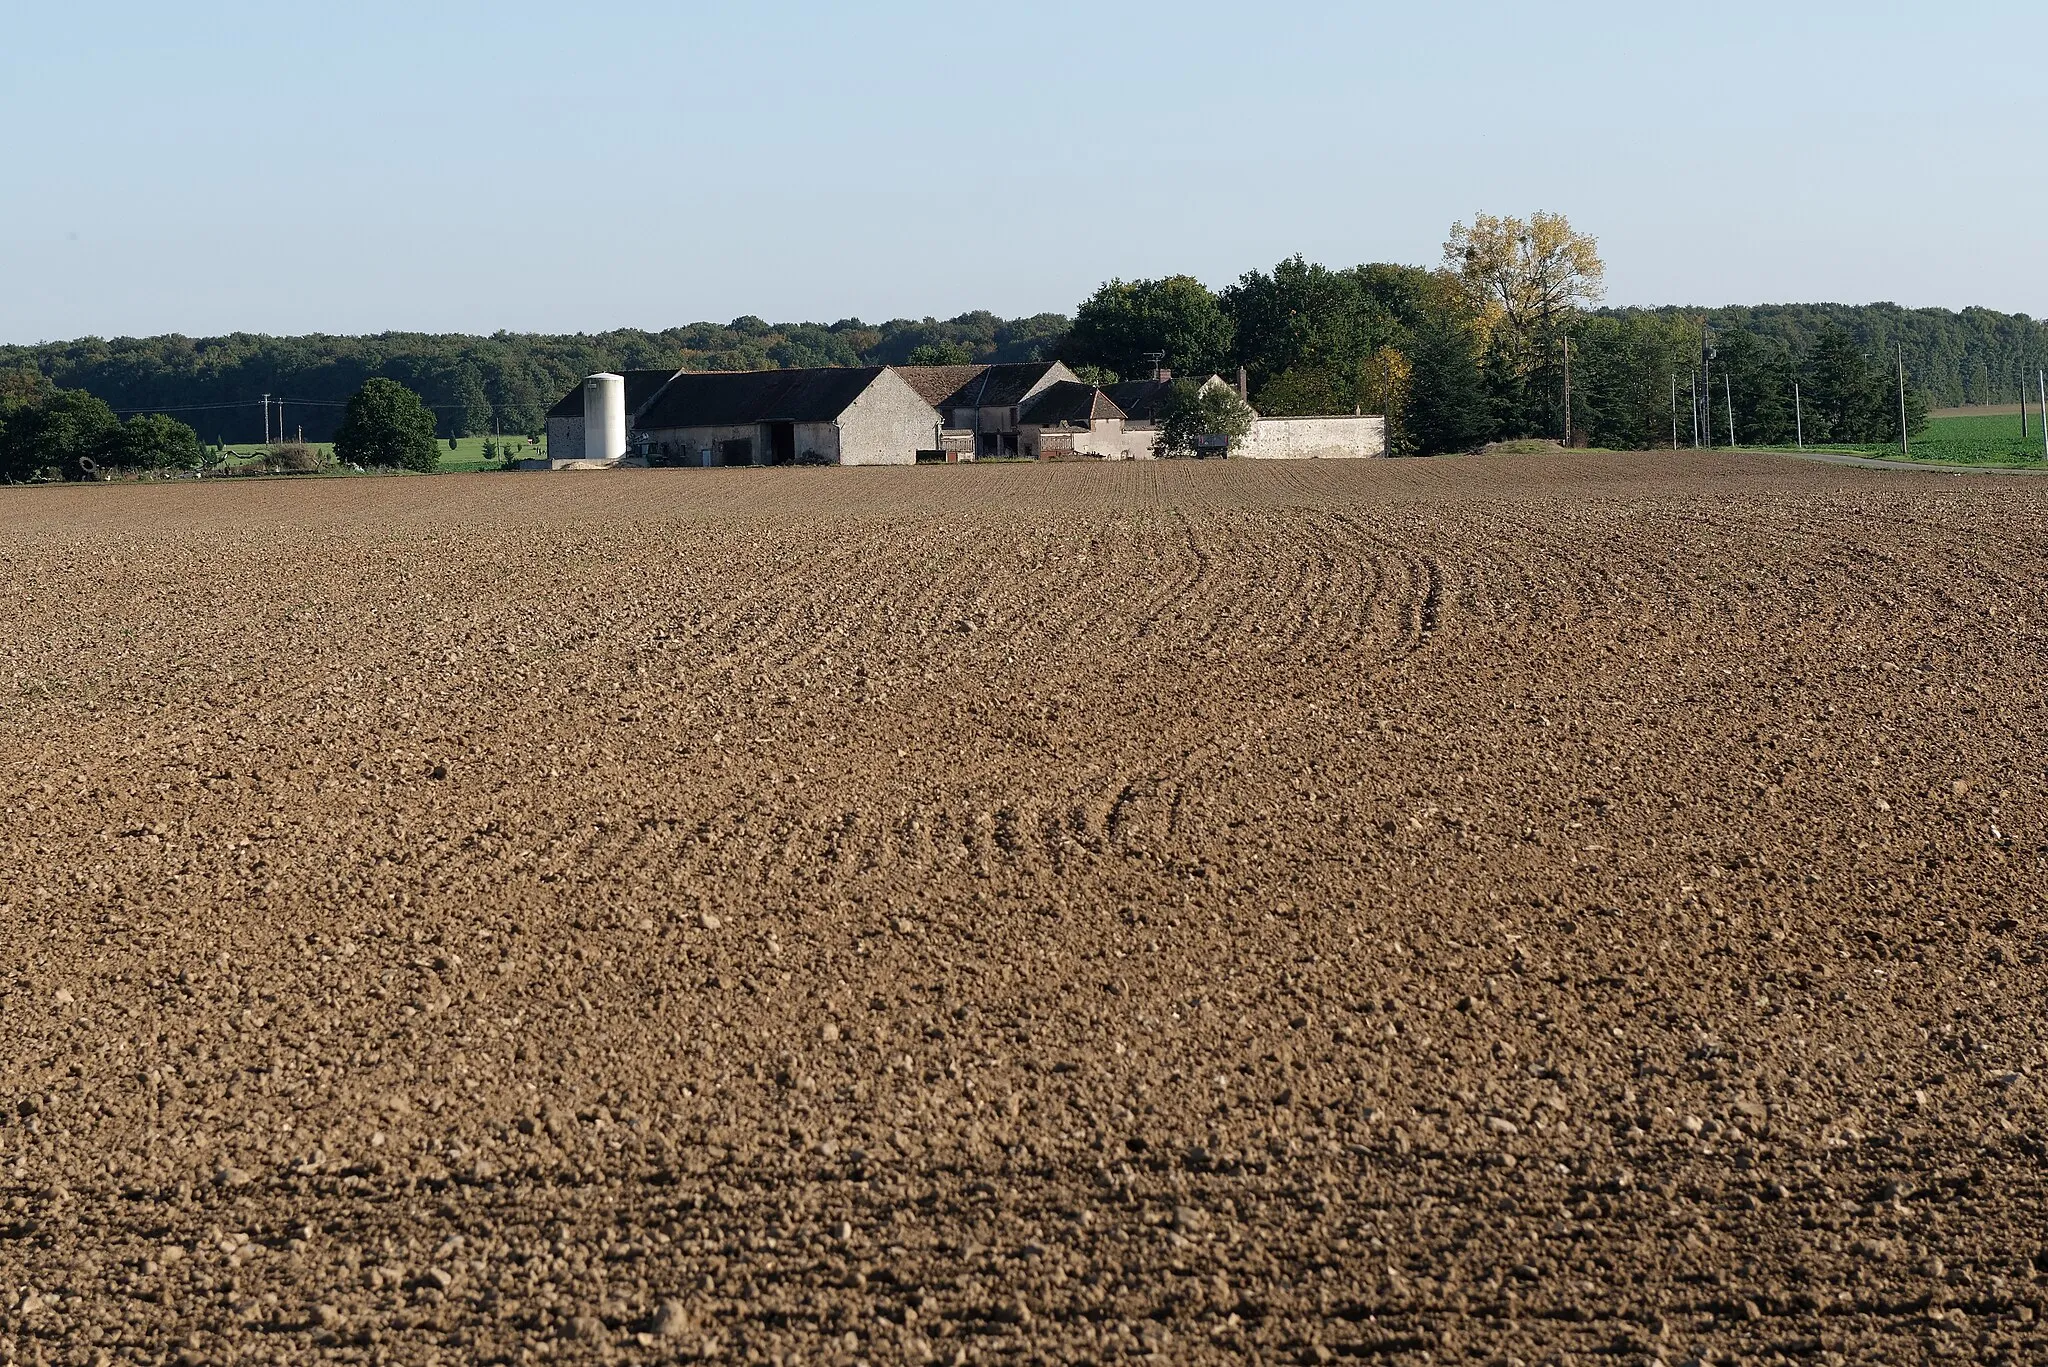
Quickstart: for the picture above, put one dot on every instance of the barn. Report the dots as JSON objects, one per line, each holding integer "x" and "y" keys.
{"x": 867, "y": 415}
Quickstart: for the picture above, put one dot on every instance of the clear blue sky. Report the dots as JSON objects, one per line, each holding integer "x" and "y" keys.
{"x": 210, "y": 166}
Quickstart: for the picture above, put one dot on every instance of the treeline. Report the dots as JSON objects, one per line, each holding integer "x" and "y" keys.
{"x": 1504, "y": 339}
{"x": 1975, "y": 356}
{"x": 501, "y": 383}
{"x": 1473, "y": 350}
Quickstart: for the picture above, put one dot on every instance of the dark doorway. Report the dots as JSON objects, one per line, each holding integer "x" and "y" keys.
{"x": 739, "y": 451}
{"x": 781, "y": 443}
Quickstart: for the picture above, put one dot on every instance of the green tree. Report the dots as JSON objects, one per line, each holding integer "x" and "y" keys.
{"x": 156, "y": 441}
{"x": 22, "y": 387}
{"x": 1448, "y": 408}
{"x": 1622, "y": 370}
{"x": 1307, "y": 318}
{"x": 1756, "y": 374}
{"x": 1194, "y": 409}
{"x": 66, "y": 429}
{"x": 940, "y": 353}
{"x": 1124, "y": 324}
{"x": 386, "y": 424}
{"x": 1850, "y": 399}
{"x": 1308, "y": 391}
{"x": 473, "y": 413}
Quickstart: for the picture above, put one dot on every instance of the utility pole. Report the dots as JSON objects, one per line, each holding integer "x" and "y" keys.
{"x": 1798, "y": 418}
{"x": 1567, "y": 391}
{"x": 2023, "y": 407}
{"x": 1729, "y": 394}
{"x": 1707, "y": 366}
{"x": 2041, "y": 379}
{"x": 1674, "y": 410}
{"x": 1905, "y": 447}
{"x": 266, "y": 420}
{"x": 1692, "y": 382}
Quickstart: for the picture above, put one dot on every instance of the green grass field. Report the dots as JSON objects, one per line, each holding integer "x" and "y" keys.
{"x": 1980, "y": 438}
{"x": 466, "y": 457}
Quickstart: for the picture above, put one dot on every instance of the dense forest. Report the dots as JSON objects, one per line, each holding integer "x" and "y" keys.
{"x": 1473, "y": 350}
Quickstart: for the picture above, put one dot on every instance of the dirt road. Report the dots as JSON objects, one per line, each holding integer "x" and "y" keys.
{"x": 1547, "y": 910}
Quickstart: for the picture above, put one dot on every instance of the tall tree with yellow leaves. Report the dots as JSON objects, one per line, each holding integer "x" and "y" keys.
{"x": 1531, "y": 275}
{"x": 1528, "y": 279}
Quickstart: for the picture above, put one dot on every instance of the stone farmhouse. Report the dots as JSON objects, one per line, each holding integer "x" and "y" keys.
{"x": 866, "y": 415}
{"x": 896, "y": 415}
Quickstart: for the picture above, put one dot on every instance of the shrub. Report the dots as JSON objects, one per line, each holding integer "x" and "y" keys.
{"x": 386, "y": 424}
{"x": 153, "y": 441}
{"x": 294, "y": 459}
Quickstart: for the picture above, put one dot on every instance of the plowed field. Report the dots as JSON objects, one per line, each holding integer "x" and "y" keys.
{"x": 1561, "y": 910}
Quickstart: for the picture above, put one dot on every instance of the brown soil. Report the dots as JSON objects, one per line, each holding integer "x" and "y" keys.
{"x": 1584, "y": 909}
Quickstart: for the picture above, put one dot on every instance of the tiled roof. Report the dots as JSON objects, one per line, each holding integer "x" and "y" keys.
{"x": 1068, "y": 401}
{"x": 715, "y": 398}
{"x": 935, "y": 382}
{"x": 1140, "y": 400}
{"x": 998, "y": 386}
{"x": 641, "y": 385}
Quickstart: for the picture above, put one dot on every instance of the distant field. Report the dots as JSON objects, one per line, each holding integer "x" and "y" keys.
{"x": 1980, "y": 410}
{"x": 467, "y": 455}
{"x": 1978, "y": 436}
{"x": 1980, "y": 439}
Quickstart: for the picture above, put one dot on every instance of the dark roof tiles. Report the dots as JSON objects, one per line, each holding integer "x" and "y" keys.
{"x": 1068, "y": 401}
{"x": 934, "y": 383}
{"x": 641, "y": 385}
{"x": 1140, "y": 400}
{"x": 999, "y": 386}
{"x": 712, "y": 398}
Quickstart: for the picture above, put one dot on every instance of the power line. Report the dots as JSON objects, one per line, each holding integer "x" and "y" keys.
{"x": 190, "y": 407}
{"x": 253, "y": 403}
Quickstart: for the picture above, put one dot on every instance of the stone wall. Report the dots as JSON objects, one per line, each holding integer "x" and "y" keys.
{"x": 1119, "y": 439}
{"x": 565, "y": 439}
{"x": 1315, "y": 439}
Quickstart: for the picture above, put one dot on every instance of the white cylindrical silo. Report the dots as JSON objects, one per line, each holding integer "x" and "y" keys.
{"x": 604, "y": 417}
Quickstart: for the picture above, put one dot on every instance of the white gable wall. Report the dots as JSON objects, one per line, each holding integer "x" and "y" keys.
{"x": 887, "y": 425}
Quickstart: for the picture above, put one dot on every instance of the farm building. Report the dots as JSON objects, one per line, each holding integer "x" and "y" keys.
{"x": 986, "y": 404}
{"x": 830, "y": 416}
{"x": 629, "y": 393}
{"x": 890, "y": 415}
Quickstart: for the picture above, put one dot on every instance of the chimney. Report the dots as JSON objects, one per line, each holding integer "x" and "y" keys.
{"x": 1161, "y": 373}
{"x": 1244, "y": 385}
